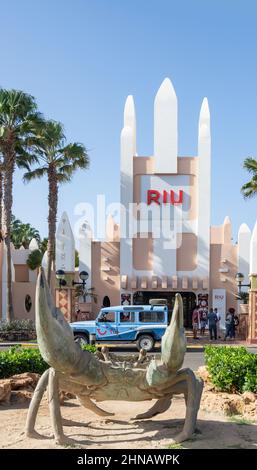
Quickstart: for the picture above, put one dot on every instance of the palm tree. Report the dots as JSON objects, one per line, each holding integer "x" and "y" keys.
{"x": 249, "y": 189}
{"x": 22, "y": 234}
{"x": 58, "y": 161}
{"x": 18, "y": 121}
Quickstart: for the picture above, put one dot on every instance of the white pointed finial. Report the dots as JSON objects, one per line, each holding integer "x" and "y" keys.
{"x": 253, "y": 251}
{"x": 65, "y": 245}
{"x": 110, "y": 228}
{"x": 130, "y": 119}
{"x": 227, "y": 220}
{"x": 227, "y": 230}
{"x": 165, "y": 129}
{"x": 244, "y": 240}
{"x": 33, "y": 244}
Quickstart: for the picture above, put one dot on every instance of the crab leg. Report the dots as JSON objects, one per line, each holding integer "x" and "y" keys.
{"x": 34, "y": 406}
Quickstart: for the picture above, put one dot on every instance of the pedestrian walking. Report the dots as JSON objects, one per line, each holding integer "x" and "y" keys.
{"x": 212, "y": 319}
{"x": 195, "y": 321}
{"x": 230, "y": 324}
{"x": 203, "y": 320}
{"x": 218, "y": 322}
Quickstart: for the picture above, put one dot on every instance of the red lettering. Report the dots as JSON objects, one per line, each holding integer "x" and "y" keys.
{"x": 153, "y": 196}
{"x": 176, "y": 201}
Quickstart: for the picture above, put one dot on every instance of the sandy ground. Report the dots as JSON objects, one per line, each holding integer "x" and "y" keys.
{"x": 120, "y": 432}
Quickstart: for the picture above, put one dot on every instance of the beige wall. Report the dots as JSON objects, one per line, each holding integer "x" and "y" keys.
{"x": 187, "y": 252}
{"x": 106, "y": 282}
{"x": 20, "y": 290}
{"x": 21, "y": 273}
{"x": 143, "y": 253}
{"x": 223, "y": 256}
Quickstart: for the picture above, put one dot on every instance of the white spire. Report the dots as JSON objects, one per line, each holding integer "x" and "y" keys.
{"x": 244, "y": 240}
{"x": 33, "y": 244}
{"x": 165, "y": 129}
{"x": 130, "y": 119}
{"x": 65, "y": 245}
{"x": 253, "y": 251}
{"x": 204, "y": 191}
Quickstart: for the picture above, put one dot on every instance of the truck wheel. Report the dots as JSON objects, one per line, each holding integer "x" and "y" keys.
{"x": 145, "y": 342}
{"x": 81, "y": 339}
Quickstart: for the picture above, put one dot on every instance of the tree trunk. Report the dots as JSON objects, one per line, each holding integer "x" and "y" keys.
{"x": 1, "y": 204}
{"x": 7, "y": 216}
{"x": 52, "y": 215}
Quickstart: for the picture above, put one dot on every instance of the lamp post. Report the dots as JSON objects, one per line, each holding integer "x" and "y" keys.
{"x": 239, "y": 279}
{"x": 60, "y": 275}
{"x": 83, "y": 276}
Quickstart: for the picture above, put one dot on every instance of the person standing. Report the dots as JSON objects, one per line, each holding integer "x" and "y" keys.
{"x": 203, "y": 320}
{"x": 212, "y": 319}
{"x": 229, "y": 323}
{"x": 218, "y": 322}
{"x": 195, "y": 321}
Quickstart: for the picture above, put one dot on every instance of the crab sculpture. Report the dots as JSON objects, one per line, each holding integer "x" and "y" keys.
{"x": 103, "y": 376}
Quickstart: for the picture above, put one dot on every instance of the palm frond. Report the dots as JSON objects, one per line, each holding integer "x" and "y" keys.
{"x": 250, "y": 164}
{"x": 35, "y": 174}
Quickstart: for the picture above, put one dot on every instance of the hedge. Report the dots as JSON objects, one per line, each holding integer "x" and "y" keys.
{"x": 18, "y": 360}
{"x": 232, "y": 369}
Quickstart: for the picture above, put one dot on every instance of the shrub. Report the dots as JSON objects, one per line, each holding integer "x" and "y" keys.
{"x": 18, "y": 360}
{"x": 17, "y": 325}
{"x": 232, "y": 369}
{"x": 89, "y": 347}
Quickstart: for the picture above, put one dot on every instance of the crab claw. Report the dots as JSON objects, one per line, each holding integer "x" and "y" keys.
{"x": 174, "y": 340}
{"x": 56, "y": 342}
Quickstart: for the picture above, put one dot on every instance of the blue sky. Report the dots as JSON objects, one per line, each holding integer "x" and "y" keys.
{"x": 81, "y": 58}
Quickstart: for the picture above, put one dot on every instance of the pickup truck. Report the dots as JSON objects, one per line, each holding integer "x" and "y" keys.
{"x": 140, "y": 324}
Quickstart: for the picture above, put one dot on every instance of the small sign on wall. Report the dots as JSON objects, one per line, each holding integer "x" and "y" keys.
{"x": 125, "y": 299}
{"x": 219, "y": 302}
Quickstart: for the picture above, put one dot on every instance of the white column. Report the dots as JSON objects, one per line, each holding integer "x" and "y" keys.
{"x": 126, "y": 196}
{"x": 127, "y": 151}
{"x": 165, "y": 129}
{"x": 253, "y": 251}
{"x": 65, "y": 245}
{"x": 204, "y": 191}
{"x": 244, "y": 240}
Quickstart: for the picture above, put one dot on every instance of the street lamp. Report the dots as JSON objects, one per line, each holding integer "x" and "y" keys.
{"x": 60, "y": 274}
{"x": 239, "y": 279}
{"x": 83, "y": 276}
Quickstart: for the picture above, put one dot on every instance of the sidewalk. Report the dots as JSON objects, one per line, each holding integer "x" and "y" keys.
{"x": 205, "y": 340}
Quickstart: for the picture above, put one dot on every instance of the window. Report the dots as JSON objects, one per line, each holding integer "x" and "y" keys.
{"x": 28, "y": 303}
{"x": 127, "y": 317}
{"x": 151, "y": 317}
{"x": 107, "y": 317}
{"x": 106, "y": 301}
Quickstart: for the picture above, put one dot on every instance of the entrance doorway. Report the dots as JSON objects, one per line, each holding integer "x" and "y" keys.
{"x": 189, "y": 302}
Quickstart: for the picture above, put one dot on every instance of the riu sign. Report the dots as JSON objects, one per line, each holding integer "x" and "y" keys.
{"x": 165, "y": 197}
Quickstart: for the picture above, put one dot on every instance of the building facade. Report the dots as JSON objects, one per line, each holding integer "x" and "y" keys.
{"x": 164, "y": 242}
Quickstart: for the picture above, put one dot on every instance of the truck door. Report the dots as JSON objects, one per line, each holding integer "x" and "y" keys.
{"x": 106, "y": 327}
{"x": 126, "y": 326}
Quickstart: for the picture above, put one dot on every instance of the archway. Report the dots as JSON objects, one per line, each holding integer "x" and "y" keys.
{"x": 106, "y": 301}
